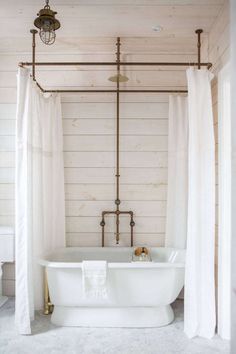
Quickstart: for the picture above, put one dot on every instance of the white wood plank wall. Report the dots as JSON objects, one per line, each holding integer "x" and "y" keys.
{"x": 89, "y": 145}
{"x": 89, "y": 169}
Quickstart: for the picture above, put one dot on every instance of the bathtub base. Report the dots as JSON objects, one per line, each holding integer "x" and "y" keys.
{"x": 135, "y": 317}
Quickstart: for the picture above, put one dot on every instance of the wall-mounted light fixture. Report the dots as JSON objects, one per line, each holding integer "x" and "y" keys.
{"x": 47, "y": 24}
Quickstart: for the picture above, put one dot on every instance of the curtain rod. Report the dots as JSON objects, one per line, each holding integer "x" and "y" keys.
{"x": 208, "y": 65}
{"x": 117, "y": 90}
{"x": 118, "y": 63}
{"x": 114, "y": 91}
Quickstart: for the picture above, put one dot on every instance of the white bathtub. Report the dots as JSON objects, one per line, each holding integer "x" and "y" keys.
{"x": 140, "y": 293}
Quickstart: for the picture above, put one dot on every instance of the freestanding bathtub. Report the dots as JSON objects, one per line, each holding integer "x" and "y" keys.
{"x": 139, "y": 293}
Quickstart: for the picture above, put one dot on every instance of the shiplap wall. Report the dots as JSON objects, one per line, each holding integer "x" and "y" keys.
{"x": 89, "y": 145}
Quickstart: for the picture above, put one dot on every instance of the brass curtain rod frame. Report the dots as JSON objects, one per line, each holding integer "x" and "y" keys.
{"x": 117, "y": 212}
{"x": 34, "y": 64}
{"x": 111, "y": 63}
{"x": 111, "y": 91}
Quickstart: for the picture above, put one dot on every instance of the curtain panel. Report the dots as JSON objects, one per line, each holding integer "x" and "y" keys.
{"x": 39, "y": 193}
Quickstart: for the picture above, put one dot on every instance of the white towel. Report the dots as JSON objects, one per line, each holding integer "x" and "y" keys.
{"x": 94, "y": 275}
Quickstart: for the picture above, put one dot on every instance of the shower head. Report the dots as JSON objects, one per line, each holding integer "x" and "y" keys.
{"x": 118, "y": 77}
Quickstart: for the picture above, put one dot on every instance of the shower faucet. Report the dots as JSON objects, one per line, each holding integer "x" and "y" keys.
{"x": 117, "y": 233}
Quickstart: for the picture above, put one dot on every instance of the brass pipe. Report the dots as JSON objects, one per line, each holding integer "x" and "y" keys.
{"x": 112, "y": 91}
{"x": 108, "y": 212}
{"x": 115, "y": 212}
{"x": 102, "y": 223}
{"x": 79, "y": 63}
{"x": 117, "y": 201}
{"x": 109, "y": 90}
{"x": 132, "y": 223}
{"x": 33, "y": 31}
{"x": 39, "y": 86}
{"x": 198, "y": 32}
{"x": 118, "y": 213}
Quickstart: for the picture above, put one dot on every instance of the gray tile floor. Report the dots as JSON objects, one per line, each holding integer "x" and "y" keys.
{"x": 50, "y": 339}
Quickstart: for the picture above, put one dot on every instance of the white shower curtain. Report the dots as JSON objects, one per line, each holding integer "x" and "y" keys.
{"x": 199, "y": 316}
{"x": 40, "y": 216}
{"x": 177, "y": 196}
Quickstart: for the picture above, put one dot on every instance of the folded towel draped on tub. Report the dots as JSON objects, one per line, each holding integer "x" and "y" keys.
{"x": 94, "y": 274}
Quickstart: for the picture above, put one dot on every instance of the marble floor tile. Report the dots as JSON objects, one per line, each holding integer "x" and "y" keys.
{"x": 50, "y": 339}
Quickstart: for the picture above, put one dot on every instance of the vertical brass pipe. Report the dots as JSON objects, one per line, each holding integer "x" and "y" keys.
{"x": 198, "y": 32}
{"x": 33, "y": 31}
{"x": 117, "y": 212}
{"x": 118, "y": 143}
{"x": 132, "y": 224}
{"x": 102, "y": 223}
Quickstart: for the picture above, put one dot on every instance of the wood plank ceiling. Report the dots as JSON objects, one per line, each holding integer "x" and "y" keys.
{"x": 91, "y": 25}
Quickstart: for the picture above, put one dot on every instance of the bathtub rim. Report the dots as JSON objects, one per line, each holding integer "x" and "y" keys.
{"x": 130, "y": 265}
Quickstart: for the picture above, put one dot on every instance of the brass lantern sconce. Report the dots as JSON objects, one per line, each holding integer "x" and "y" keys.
{"x": 47, "y": 24}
